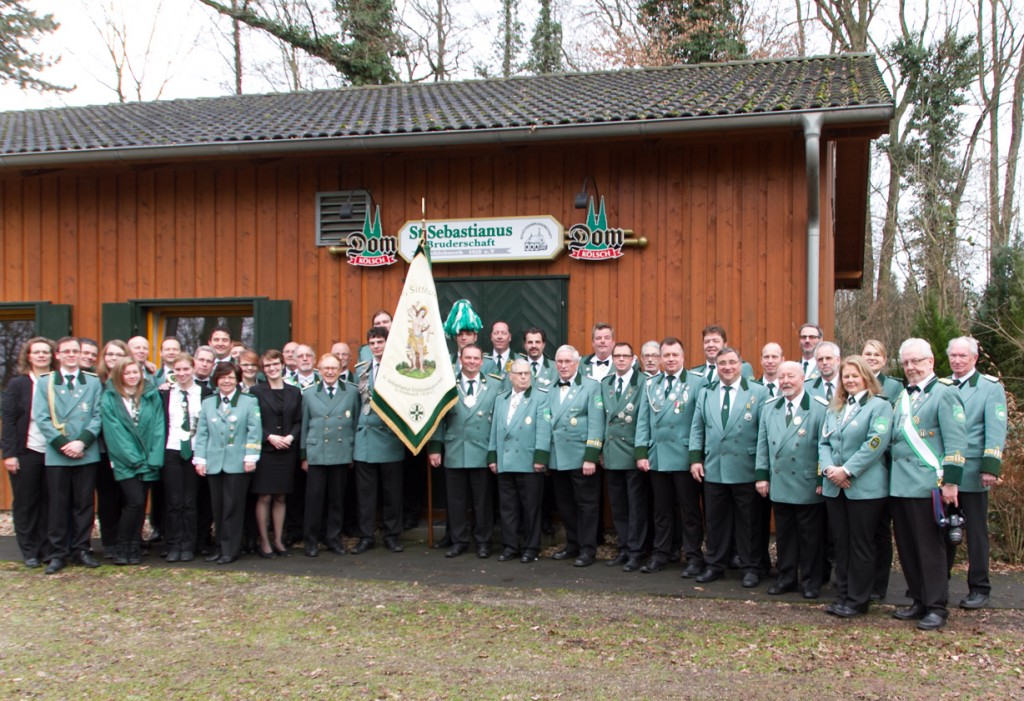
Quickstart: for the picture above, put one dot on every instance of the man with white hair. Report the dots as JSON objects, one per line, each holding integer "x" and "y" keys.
{"x": 650, "y": 358}
{"x": 985, "y": 406}
{"x": 928, "y": 445}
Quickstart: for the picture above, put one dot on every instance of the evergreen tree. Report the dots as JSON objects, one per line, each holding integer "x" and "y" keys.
{"x": 19, "y": 26}
{"x": 938, "y": 329}
{"x": 999, "y": 327}
{"x": 546, "y": 44}
{"x": 694, "y": 31}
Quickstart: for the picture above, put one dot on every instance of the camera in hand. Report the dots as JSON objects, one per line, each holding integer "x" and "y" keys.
{"x": 955, "y": 523}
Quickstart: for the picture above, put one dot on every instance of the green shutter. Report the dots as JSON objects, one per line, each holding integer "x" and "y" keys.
{"x": 272, "y": 323}
{"x": 53, "y": 320}
{"x": 120, "y": 321}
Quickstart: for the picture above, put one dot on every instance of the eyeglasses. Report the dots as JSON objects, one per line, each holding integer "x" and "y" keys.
{"x": 621, "y": 355}
{"x": 914, "y": 361}
{"x": 807, "y": 338}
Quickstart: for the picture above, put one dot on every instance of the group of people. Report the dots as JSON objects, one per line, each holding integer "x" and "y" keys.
{"x": 694, "y": 462}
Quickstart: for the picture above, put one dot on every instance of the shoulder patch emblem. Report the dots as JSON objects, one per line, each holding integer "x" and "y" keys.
{"x": 1001, "y": 412}
{"x": 881, "y": 425}
{"x": 958, "y": 414}
{"x": 875, "y": 442}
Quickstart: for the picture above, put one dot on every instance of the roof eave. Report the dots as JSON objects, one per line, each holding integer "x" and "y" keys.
{"x": 874, "y": 115}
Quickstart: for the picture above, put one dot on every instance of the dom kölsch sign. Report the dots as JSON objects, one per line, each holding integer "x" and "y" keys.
{"x": 485, "y": 239}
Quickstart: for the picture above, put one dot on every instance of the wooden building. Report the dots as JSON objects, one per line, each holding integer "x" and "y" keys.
{"x": 157, "y": 217}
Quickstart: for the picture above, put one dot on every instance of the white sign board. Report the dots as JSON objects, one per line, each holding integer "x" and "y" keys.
{"x": 487, "y": 240}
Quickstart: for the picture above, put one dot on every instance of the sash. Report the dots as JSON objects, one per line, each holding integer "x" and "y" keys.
{"x": 914, "y": 439}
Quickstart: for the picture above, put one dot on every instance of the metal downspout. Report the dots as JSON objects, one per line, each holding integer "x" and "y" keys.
{"x": 812, "y": 154}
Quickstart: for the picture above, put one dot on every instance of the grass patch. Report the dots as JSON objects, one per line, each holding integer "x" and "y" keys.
{"x": 147, "y": 633}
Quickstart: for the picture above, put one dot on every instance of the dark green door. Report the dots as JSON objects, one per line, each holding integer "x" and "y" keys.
{"x": 521, "y": 301}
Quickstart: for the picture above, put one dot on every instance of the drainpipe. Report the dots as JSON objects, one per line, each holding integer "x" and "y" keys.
{"x": 812, "y": 153}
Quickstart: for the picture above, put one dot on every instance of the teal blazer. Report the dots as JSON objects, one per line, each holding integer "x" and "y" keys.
{"x": 787, "y": 456}
{"x": 78, "y": 411}
{"x": 228, "y": 434}
{"x": 858, "y": 444}
{"x": 620, "y": 420}
{"x": 135, "y": 450}
{"x": 728, "y": 452}
{"x": 375, "y": 441}
{"x": 663, "y": 426}
{"x": 465, "y": 431}
{"x": 515, "y": 446}
{"x": 891, "y": 388}
{"x": 577, "y": 424}
{"x": 329, "y": 424}
{"x": 985, "y": 405}
{"x": 937, "y": 412}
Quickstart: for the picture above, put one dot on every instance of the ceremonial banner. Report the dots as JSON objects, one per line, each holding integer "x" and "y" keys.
{"x": 415, "y": 386}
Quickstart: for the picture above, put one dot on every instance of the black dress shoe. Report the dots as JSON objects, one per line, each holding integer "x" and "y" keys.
{"x": 508, "y": 554}
{"x": 631, "y": 565}
{"x": 875, "y": 596}
{"x": 675, "y": 556}
{"x": 842, "y": 610}
{"x": 362, "y": 546}
{"x": 280, "y": 552}
{"x": 750, "y": 580}
{"x": 393, "y": 545}
{"x": 914, "y": 612}
{"x": 584, "y": 560}
{"x": 691, "y": 571}
{"x": 187, "y": 556}
{"x": 708, "y": 575}
{"x": 974, "y": 600}
{"x": 226, "y": 559}
{"x": 810, "y": 593}
{"x": 566, "y": 554}
{"x": 312, "y": 551}
{"x": 621, "y": 559}
{"x": 55, "y": 566}
{"x": 86, "y": 559}
{"x": 213, "y": 557}
{"x": 528, "y": 556}
{"x": 933, "y": 621}
{"x": 266, "y": 555}
{"x": 654, "y": 565}
{"x": 453, "y": 551}
{"x": 780, "y": 588}
{"x": 445, "y": 542}
{"x": 32, "y": 562}
{"x": 483, "y": 551}
{"x": 173, "y": 556}
{"x": 337, "y": 548}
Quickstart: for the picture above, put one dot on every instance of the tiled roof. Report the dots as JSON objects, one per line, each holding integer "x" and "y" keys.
{"x": 624, "y": 96}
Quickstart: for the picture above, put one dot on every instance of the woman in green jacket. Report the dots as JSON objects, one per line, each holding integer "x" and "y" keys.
{"x": 135, "y": 432}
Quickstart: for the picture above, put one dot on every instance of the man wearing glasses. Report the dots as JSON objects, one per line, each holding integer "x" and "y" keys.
{"x": 810, "y": 337}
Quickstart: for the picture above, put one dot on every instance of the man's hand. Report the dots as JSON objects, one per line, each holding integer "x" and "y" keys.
{"x": 697, "y": 471}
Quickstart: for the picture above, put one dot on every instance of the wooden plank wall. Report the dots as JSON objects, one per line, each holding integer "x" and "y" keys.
{"x": 725, "y": 218}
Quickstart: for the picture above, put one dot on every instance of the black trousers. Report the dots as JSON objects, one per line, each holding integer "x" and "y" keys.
{"x": 799, "y": 540}
{"x": 921, "y": 544}
{"x": 181, "y": 486}
{"x": 732, "y": 513}
{"x": 883, "y": 552}
{"x": 30, "y": 505}
{"x": 853, "y": 524}
{"x": 763, "y": 511}
{"x": 521, "y": 496}
{"x": 324, "y": 483}
{"x": 133, "y": 515}
{"x": 108, "y": 502}
{"x": 975, "y": 508}
{"x": 678, "y": 492}
{"x": 577, "y": 496}
{"x": 467, "y": 488}
{"x": 628, "y": 499}
{"x": 228, "y": 492}
{"x": 295, "y": 507}
{"x": 70, "y": 491}
{"x": 388, "y": 477}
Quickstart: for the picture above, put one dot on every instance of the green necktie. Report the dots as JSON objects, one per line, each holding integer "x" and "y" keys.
{"x": 725, "y": 406}
{"x": 469, "y": 390}
{"x": 71, "y": 382}
{"x": 618, "y": 390}
{"x": 186, "y": 425}
{"x": 789, "y": 413}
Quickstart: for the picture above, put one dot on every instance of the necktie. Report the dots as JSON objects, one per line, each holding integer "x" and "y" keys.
{"x": 330, "y": 392}
{"x": 563, "y": 383}
{"x": 789, "y": 413}
{"x": 711, "y": 372}
{"x": 602, "y": 362}
{"x": 959, "y": 383}
{"x": 618, "y": 390}
{"x": 513, "y": 405}
{"x": 469, "y": 390}
{"x": 669, "y": 379}
{"x": 536, "y": 366}
{"x": 771, "y": 389}
{"x": 224, "y": 400}
{"x": 828, "y": 391}
{"x": 71, "y": 382}
{"x": 913, "y": 389}
{"x": 186, "y": 426}
{"x": 725, "y": 405}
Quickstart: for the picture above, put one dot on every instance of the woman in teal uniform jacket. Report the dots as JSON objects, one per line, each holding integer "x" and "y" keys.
{"x": 134, "y": 430}
{"x": 227, "y": 447}
{"x": 851, "y": 456}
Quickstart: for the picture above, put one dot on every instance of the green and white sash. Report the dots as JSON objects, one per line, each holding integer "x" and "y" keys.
{"x": 914, "y": 439}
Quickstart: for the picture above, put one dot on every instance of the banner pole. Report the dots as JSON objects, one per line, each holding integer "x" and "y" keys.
{"x": 430, "y": 480}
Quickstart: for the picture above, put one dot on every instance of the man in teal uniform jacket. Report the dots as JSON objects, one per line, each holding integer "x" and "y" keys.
{"x": 928, "y": 445}
{"x": 66, "y": 409}
{"x": 787, "y": 471}
{"x": 576, "y": 412}
{"x": 985, "y": 406}
{"x": 714, "y": 339}
{"x": 723, "y": 446}
{"x": 627, "y": 486}
{"x": 464, "y": 435}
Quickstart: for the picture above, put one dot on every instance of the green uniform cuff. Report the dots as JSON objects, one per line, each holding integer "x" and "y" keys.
{"x": 88, "y": 438}
{"x": 640, "y": 452}
{"x": 542, "y": 457}
{"x": 434, "y": 447}
{"x": 492, "y": 457}
{"x": 991, "y": 465}
{"x": 302, "y": 454}
{"x": 59, "y": 442}
{"x": 761, "y": 475}
{"x": 952, "y": 474}
{"x": 591, "y": 454}
{"x": 696, "y": 456}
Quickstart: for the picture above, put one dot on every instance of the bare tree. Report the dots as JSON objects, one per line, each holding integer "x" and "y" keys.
{"x": 434, "y": 40}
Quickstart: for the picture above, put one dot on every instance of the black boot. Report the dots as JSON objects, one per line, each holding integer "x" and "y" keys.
{"x": 134, "y": 556}
{"x": 120, "y": 554}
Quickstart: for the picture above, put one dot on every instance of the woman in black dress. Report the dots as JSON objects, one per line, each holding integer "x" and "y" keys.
{"x": 281, "y": 411}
